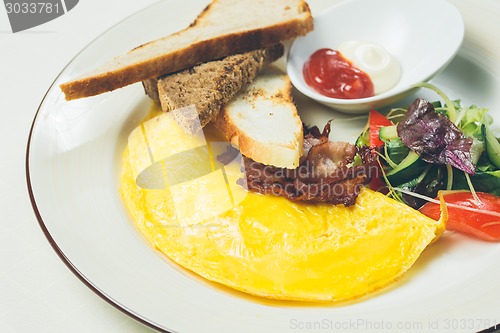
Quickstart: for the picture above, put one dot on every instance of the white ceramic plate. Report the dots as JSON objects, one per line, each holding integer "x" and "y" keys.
{"x": 72, "y": 167}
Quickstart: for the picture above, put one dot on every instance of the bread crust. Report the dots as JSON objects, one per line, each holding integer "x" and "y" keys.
{"x": 185, "y": 57}
{"x": 151, "y": 89}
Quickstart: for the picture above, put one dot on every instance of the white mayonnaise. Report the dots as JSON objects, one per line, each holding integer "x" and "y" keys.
{"x": 374, "y": 60}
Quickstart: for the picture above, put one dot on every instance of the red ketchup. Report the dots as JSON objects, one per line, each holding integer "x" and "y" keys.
{"x": 332, "y": 75}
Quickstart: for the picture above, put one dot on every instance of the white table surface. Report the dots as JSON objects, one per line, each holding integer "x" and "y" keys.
{"x": 37, "y": 292}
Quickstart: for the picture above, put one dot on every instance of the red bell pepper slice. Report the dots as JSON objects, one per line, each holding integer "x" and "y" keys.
{"x": 481, "y": 219}
{"x": 375, "y": 121}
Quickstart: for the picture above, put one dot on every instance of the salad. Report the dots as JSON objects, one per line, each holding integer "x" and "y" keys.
{"x": 433, "y": 148}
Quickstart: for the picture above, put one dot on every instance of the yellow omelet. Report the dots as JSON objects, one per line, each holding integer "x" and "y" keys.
{"x": 264, "y": 245}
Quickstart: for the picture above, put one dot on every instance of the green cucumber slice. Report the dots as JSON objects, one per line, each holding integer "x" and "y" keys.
{"x": 388, "y": 133}
{"x": 408, "y": 169}
{"x": 492, "y": 146}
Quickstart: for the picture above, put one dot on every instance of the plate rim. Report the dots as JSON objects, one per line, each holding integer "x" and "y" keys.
{"x": 86, "y": 281}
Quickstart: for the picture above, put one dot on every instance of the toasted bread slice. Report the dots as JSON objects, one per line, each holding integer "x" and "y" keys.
{"x": 263, "y": 122}
{"x": 209, "y": 86}
{"x": 224, "y": 28}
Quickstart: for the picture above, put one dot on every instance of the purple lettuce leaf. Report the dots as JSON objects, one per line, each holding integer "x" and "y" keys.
{"x": 434, "y": 137}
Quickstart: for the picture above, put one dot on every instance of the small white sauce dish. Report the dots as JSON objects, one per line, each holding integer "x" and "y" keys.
{"x": 422, "y": 35}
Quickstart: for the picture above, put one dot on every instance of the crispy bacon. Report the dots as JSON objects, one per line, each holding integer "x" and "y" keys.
{"x": 327, "y": 172}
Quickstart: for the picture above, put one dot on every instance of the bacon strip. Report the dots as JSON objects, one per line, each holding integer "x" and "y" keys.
{"x": 326, "y": 172}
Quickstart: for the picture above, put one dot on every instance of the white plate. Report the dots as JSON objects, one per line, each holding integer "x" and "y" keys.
{"x": 72, "y": 167}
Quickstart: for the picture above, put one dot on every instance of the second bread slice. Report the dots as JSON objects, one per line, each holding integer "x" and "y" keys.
{"x": 263, "y": 122}
{"x": 210, "y": 85}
